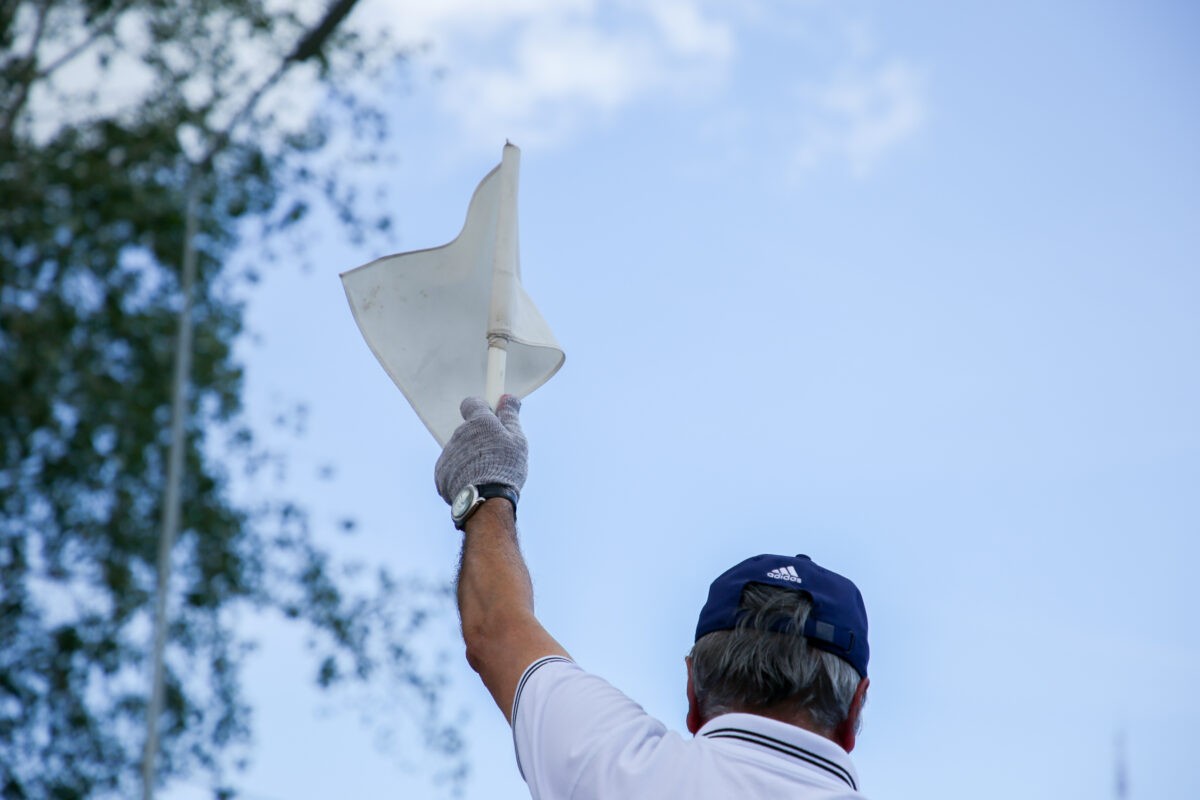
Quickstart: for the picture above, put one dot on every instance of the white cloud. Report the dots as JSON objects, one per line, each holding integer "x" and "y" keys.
{"x": 686, "y": 31}
{"x": 537, "y": 70}
{"x": 559, "y": 76}
{"x": 859, "y": 115}
{"x": 422, "y": 19}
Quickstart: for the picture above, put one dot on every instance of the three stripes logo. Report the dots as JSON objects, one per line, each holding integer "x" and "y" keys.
{"x": 787, "y": 573}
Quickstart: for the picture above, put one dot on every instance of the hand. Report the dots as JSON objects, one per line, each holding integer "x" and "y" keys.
{"x": 486, "y": 448}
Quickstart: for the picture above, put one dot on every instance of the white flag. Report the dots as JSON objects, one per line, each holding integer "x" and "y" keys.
{"x": 454, "y": 321}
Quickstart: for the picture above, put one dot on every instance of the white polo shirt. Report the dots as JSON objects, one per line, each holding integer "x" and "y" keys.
{"x": 578, "y": 738}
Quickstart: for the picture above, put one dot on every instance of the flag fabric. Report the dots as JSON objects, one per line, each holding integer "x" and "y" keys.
{"x": 431, "y": 316}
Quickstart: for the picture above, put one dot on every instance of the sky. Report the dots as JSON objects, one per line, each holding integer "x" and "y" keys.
{"x": 912, "y": 288}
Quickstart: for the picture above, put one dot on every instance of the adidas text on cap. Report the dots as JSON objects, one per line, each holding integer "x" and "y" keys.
{"x": 836, "y": 624}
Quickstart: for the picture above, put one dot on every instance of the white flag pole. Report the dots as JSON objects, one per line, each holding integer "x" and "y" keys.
{"x": 496, "y": 362}
{"x": 504, "y": 276}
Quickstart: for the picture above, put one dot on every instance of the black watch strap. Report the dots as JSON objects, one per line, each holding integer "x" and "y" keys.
{"x": 490, "y": 490}
{"x": 476, "y": 494}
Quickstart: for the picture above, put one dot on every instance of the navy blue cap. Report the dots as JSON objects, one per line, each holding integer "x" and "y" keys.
{"x": 837, "y": 622}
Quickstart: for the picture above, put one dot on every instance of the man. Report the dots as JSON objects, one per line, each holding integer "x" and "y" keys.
{"x": 776, "y": 680}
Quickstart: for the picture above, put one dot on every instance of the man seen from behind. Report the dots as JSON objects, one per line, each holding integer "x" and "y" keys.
{"x": 776, "y": 679}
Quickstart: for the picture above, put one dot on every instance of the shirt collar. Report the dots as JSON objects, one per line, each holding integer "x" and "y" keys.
{"x": 786, "y": 741}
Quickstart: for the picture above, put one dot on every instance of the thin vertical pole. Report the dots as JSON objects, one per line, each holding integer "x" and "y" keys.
{"x": 1121, "y": 776}
{"x": 505, "y": 269}
{"x": 171, "y": 501}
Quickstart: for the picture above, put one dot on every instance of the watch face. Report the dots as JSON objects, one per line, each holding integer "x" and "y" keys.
{"x": 462, "y": 502}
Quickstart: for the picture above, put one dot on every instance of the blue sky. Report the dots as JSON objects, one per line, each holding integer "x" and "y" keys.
{"x": 910, "y": 288}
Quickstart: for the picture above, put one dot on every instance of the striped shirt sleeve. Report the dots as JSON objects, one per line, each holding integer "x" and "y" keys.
{"x": 568, "y": 723}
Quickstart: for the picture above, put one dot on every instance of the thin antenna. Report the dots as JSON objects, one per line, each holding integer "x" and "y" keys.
{"x": 311, "y": 46}
{"x": 1121, "y": 771}
{"x": 171, "y": 503}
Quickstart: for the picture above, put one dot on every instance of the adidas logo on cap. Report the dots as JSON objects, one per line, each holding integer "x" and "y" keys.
{"x": 787, "y": 573}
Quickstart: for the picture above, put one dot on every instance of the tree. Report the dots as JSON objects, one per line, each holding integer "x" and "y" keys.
{"x": 111, "y": 113}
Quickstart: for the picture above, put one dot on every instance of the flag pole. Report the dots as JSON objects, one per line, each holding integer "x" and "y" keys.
{"x": 497, "y": 361}
{"x": 504, "y": 276}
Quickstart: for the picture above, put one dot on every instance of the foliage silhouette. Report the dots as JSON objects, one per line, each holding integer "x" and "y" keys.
{"x": 110, "y": 111}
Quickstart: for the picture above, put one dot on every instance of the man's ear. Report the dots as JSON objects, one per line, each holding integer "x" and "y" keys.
{"x": 846, "y": 733}
{"x": 694, "y": 722}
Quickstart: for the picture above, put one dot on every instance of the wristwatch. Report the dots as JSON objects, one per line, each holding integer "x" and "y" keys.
{"x": 472, "y": 496}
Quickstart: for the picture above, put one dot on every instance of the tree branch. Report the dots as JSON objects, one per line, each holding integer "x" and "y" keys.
{"x": 105, "y": 27}
{"x": 310, "y": 46}
{"x": 26, "y": 63}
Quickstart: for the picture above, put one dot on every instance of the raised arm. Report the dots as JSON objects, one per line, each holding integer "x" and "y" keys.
{"x": 495, "y": 595}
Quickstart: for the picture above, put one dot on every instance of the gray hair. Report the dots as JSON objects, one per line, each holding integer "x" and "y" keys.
{"x": 755, "y": 669}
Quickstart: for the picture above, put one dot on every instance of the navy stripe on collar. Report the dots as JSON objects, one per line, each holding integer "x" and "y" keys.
{"x": 832, "y": 767}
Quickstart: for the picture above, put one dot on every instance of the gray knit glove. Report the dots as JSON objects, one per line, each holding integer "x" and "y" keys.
{"x": 486, "y": 448}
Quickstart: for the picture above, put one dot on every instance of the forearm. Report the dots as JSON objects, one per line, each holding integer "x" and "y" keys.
{"x": 493, "y": 581}
{"x": 495, "y": 601}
